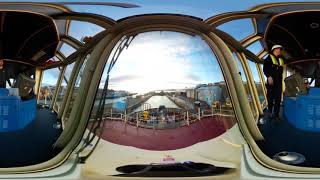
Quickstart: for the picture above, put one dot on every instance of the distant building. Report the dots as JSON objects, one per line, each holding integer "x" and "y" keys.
{"x": 113, "y": 94}
{"x": 191, "y": 93}
{"x": 180, "y": 93}
{"x": 210, "y": 93}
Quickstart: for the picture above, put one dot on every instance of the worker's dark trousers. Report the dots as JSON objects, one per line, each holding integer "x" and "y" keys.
{"x": 274, "y": 98}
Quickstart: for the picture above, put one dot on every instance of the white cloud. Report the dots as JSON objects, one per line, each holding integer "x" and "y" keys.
{"x": 164, "y": 60}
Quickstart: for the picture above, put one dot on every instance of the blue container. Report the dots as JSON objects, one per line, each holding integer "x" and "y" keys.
{"x": 14, "y": 113}
{"x": 290, "y": 109}
{"x": 27, "y": 112}
{"x": 9, "y": 116}
{"x": 303, "y": 112}
{"x": 4, "y": 92}
{"x": 314, "y": 92}
{"x": 308, "y": 113}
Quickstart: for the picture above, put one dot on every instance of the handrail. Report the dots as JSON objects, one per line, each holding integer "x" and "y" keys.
{"x": 161, "y": 121}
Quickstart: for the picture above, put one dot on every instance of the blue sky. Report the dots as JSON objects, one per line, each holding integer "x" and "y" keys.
{"x": 164, "y": 60}
{"x": 201, "y": 8}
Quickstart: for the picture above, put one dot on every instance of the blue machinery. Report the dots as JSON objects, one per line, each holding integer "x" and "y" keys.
{"x": 15, "y": 114}
{"x": 303, "y": 111}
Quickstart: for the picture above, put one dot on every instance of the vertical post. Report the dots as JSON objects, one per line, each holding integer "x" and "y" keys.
{"x": 137, "y": 119}
{"x": 111, "y": 114}
{"x": 125, "y": 120}
{"x": 199, "y": 115}
{"x": 211, "y": 111}
{"x": 188, "y": 122}
{"x": 37, "y": 86}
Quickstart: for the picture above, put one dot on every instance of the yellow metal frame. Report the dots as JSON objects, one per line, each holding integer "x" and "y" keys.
{"x": 38, "y": 76}
{"x": 258, "y": 154}
{"x": 244, "y": 63}
{"x": 64, "y": 154}
{"x": 253, "y": 85}
{"x": 102, "y": 50}
{"x": 263, "y": 84}
{"x": 58, "y": 86}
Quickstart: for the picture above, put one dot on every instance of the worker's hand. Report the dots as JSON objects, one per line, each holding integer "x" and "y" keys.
{"x": 270, "y": 81}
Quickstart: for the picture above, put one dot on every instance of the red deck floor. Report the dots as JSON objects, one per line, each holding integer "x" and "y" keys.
{"x": 166, "y": 139}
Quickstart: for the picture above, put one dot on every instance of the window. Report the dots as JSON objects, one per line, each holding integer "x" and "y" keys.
{"x": 257, "y": 80}
{"x": 264, "y": 57}
{"x": 245, "y": 82}
{"x": 67, "y": 73}
{"x": 163, "y": 81}
{"x": 56, "y": 59}
{"x": 239, "y": 29}
{"x": 67, "y": 50}
{"x": 79, "y": 29}
{"x": 255, "y": 47}
{"x": 48, "y": 86}
{"x": 80, "y": 73}
{"x": 63, "y": 86}
{"x": 76, "y": 86}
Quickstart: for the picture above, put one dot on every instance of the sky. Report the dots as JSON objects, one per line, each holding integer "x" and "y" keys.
{"x": 176, "y": 50}
{"x": 164, "y": 60}
{"x": 199, "y": 8}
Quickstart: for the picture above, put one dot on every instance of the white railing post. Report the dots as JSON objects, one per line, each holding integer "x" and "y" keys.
{"x": 188, "y": 118}
{"x": 199, "y": 115}
{"x": 111, "y": 114}
{"x": 125, "y": 116}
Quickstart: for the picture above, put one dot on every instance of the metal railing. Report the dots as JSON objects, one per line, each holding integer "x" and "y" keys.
{"x": 168, "y": 119}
